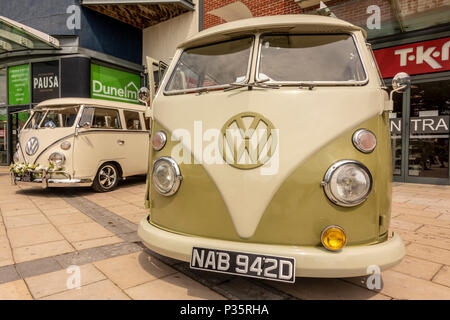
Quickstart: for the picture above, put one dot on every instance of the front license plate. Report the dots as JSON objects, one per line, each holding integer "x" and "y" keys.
{"x": 244, "y": 264}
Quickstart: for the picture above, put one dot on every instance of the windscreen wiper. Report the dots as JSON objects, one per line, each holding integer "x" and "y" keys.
{"x": 258, "y": 84}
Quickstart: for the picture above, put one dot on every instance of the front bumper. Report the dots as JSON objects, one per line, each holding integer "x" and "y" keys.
{"x": 318, "y": 262}
{"x": 46, "y": 182}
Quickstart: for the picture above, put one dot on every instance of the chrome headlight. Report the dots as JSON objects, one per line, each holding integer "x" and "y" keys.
{"x": 166, "y": 176}
{"x": 16, "y": 157}
{"x": 347, "y": 183}
{"x": 364, "y": 140}
{"x": 57, "y": 159}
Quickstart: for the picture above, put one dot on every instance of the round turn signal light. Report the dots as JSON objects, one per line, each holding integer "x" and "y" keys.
{"x": 333, "y": 238}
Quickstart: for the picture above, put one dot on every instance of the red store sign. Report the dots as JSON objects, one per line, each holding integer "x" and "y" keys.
{"x": 416, "y": 58}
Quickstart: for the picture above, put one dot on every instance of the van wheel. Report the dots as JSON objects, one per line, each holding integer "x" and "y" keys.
{"x": 107, "y": 178}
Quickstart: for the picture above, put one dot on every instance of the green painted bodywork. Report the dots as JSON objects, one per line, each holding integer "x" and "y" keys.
{"x": 298, "y": 211}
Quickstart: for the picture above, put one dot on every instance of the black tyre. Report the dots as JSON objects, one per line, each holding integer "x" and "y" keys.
{"x": 107, "y": 178}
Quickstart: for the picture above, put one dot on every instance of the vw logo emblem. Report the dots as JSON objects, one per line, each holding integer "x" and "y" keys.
{"x": 32, "y": 146}
{"x": 248, "y": 140}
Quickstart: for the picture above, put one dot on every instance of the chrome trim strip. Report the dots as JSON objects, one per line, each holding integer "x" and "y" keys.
{"x": 113, "y": 131}
{"x": 91, "y": 131}
{"x": 315, "y": 83}
{"x": 44, "y": 183}
{"x": 46, "y": 148}
{"x": 328, "y": 175}
{"x": 21, "y": 150}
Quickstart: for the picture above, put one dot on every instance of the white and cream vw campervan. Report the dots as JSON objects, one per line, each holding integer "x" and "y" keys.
{"x": 81, "y": 142}
{"x": 271, "y": 153}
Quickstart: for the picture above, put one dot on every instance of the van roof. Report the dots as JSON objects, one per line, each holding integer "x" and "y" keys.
{"x": 298, "y": 23}
{"x": 61, "y": 102}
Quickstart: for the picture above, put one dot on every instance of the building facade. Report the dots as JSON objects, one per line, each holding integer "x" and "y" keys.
{"x": 411, "y": 36}
{"x": 60, "y": 48}
{"x": 112, "y": 39}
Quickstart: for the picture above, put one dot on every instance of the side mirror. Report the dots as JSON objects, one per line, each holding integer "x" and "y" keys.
{"x": 401, "y": 82}
{"x": 86, "y": 125}
{"x": 144, "y": 96}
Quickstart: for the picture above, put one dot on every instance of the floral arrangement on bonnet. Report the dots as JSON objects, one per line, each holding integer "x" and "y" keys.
{"x": 34, "y": 170}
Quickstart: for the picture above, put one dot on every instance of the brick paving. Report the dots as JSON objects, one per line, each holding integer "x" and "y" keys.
{"x": 43, "y": 232}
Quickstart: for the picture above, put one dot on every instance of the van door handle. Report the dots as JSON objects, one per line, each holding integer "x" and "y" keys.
{"x": 120, "y": 142}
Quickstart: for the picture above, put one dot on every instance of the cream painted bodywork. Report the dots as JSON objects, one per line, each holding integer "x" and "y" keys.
{"x": 310, "y": 261}
{"x": 92, "y": 147}
{"x": 301, "y": 134}
{"x": 308, "y": 121}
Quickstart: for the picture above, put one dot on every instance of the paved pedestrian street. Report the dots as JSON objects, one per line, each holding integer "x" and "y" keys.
{"x": 48, "y": 237}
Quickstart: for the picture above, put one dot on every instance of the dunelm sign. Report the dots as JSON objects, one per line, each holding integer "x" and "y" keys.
{"x": 115, "y": 85}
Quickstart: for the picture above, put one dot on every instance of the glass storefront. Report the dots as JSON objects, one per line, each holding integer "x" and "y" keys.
{"x": 429, "y": 129}
{"x": 425, "y": 109}
{"x": 3, "y": 137}
{"x": 3, "y": 120}
{"x": 396, "y": 134}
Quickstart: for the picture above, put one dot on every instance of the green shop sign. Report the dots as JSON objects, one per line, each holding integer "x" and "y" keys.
{"x": 112, "y": 84}
{"x": 19, "y": 84}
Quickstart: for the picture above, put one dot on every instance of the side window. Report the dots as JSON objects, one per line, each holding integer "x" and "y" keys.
{"x": 106, "y": 119}
{"x": 86, "y": 117}
{"x": 132, "y": 120}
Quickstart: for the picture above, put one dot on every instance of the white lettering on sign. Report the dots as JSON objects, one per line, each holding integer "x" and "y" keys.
{"x": 424, "y": 55}
{"x": 422, "y": 125}
{"x": 46, "y": 82}
{"x": 128, "y": 93}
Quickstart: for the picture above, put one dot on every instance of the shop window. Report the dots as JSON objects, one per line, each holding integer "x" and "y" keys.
{"x": 3, "y": 137}
{"x": 395, "y": 123}
{"x": 429, "y": 130}
{"x": 3, "y": 95}
{"x": 132, "y": 120}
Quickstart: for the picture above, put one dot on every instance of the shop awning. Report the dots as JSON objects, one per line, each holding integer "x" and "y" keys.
{"x": 15, "y": 36}
{"x": 140, "y": 13}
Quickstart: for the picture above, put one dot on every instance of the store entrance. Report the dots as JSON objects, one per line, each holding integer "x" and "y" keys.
{"x": 3, "y": 137}
{"x": 17, "y": 119}
{"x": 424, "y": 156}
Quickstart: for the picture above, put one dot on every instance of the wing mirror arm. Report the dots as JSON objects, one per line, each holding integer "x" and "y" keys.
{"x": 145, "y": 98}
{"x": 399, "y": 90}
{"x": 400, "y": 83}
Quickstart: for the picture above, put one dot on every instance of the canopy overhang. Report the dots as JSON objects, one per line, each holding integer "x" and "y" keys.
{"x": 140, "y": 13}
{"x": 15, "y": 36}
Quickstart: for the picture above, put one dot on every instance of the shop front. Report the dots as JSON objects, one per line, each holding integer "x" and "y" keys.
{"x": 26, "y": 84}
{"x": 420, "y": 120}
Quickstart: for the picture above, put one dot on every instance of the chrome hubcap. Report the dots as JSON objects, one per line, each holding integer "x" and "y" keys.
{"x": 107, "y": 176}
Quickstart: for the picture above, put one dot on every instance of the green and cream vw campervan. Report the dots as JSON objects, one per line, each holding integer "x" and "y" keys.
{"x": 271, "y": 152}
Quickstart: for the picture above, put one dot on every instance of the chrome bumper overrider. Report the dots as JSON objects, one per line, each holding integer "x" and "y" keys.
{"x": 48, "y": 182}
